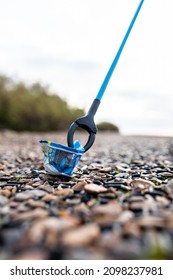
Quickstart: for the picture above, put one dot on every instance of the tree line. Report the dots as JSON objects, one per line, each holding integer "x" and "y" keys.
{"x": 33, "y": 107}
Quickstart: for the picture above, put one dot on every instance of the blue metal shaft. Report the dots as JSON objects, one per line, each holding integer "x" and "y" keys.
{"x": 114, "y": 63}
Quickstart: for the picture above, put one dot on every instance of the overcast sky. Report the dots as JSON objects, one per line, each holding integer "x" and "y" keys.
{"x": 70, "y": 44}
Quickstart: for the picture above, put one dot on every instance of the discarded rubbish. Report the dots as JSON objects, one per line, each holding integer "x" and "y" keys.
{"x": 60, "y": 159}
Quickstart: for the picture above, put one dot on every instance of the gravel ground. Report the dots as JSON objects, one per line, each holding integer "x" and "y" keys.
{"x": 117, "y": 205}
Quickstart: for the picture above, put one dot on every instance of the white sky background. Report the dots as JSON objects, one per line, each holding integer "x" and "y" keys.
{"x": 70, "y": 44}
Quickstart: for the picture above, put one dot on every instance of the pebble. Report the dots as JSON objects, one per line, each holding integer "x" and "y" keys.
{"x": 73, "y": 201}
{"x": 35, "y": 203}
{"x": 27, "y": 188}
{"x": 111, "y": 208}
{"x": 32, "y": 254}
{"x": 37, "y": 213}
{"x": 23, "y": 196}
{"x": 81, "y": 236}
{"x": 81, "y": 209}
{"x": 64, "y": 192}
{"x": 5, "y": 192}
{"x": 125, "y": 216}
{"x": 141, "y": 183}
{"x": 95, "y": 189}
{"x": 49, "y": 197}
{"x": 169, "y": 187}
{"x": 79, "y": 186}
{"x": 38, "y": 193}
{"x": 136, "y": 206}
{"x": 3, "y": 200}
{"x": 151, "y": 222}
{"x": 46, "y": 187}
{"x": 131, "y": 229}
{"x": 37, "y": 184}
{"x": 50, "y": 224}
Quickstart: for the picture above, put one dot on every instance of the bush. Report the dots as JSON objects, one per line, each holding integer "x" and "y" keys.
{"x": 33, "y": 107}
{"x": 107, "y": 126}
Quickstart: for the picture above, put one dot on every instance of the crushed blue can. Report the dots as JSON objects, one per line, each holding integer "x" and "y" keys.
{"x": 59, "y": 159}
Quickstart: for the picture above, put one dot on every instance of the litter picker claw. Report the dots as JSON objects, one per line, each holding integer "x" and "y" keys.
{"x": 87, "y": 122}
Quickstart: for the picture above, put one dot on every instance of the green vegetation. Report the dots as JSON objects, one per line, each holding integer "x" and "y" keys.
{"x": 107, "y": 126}
{"x": 33, "y": 107}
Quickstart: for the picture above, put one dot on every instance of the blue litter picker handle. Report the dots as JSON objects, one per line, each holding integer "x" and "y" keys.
{"x": 87, "y": 122}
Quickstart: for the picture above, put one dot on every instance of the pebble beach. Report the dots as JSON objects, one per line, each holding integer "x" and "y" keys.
{"x": 117, "y": 205}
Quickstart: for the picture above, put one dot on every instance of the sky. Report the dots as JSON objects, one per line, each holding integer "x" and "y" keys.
{"x": 70, "y": 44}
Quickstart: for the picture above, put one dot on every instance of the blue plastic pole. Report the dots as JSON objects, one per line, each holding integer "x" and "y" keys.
{"x": 115, "y": 61}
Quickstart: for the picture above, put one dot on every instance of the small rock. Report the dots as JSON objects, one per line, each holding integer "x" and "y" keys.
{"x": 32, "y": 254}
{"x": 125, "y": 216}
{"x": 23, "y": 196}
{"x": 93, "y": 188}
{"x": 27, "y": 188}
{"x": 73, "y": 201}
{"x": 34, "y": 214}
{"x": 81, "y": 209}
{"x": 37, "y": 184}
{"x": 51, "y": 224}
{"x": 131, "y": 229}
{"x": 169, "y": 187}
{"x": 38, "y": 193}
{"x": 141, "y": 183}
{"x": 136, "y": 206}
{"x": 22, "y": 208}
{"x": 163, "y": 200}
{"x": 111, "y": 208}
{"x": 64, "y": 192}
{"x": 3, "y": 200}
{"x": 151, "y": 221}
{"x": 46, "y": 187}
{"x": 6, "y": 193}
{"x": 35, "y": 203}
{"x": 81, "y": 236}
{"x": 49, "y": 197}
{"x": 80, "y": 186}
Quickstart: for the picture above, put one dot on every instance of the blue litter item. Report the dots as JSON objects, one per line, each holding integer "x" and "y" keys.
{"x": 59, "y": 159}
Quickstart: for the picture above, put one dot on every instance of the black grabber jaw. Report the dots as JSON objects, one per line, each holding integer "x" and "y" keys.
{"x": 87, "y": 123}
